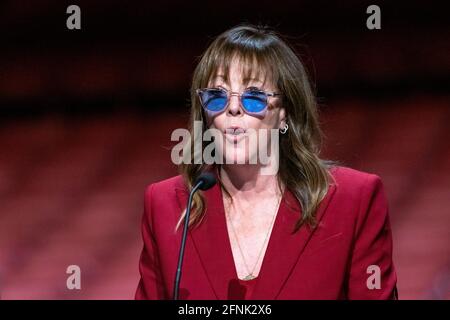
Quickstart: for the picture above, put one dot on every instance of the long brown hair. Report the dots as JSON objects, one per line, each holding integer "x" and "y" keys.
{"x": 301, "y": 170}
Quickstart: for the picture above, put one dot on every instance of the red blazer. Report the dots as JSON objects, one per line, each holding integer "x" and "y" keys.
{"x": 331, "y": 262}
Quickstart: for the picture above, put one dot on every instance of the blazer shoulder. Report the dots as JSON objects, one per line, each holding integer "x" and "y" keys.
{"x": 358, "y": 189}
{"x": 358, "y": 195}
{"x": 350, "y": 180}
{"x": 163, "y": 192}
{"x": 166, "y": 185}
{"x": 161, "y": 201}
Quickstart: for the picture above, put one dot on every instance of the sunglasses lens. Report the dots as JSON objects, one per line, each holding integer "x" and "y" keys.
{"x": 213, "y": 99}
{"x": 254, "y": 101}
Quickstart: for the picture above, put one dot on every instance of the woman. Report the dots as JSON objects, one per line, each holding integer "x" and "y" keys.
{"x": 306, "y": 229}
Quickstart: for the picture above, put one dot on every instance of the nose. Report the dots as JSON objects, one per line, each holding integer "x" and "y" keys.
{"x": 234, "y": 105}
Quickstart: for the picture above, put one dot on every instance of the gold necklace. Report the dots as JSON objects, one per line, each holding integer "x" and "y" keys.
{"x": 250, "y": 275}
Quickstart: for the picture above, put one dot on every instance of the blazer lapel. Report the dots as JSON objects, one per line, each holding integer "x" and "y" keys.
{"x": 211, "y": 241}
{"x": 285, "y": 248}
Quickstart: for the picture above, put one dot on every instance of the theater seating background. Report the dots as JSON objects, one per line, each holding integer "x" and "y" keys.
{"x": 86, "y": 118}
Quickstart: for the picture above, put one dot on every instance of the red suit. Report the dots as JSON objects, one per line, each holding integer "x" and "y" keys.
{"x": 337, "y": 260}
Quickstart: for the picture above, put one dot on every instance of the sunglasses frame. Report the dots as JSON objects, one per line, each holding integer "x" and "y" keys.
{"x": 239, "y": 95}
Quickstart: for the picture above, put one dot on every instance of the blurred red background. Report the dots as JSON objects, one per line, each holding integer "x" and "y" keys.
{"x": 86, "y": 118}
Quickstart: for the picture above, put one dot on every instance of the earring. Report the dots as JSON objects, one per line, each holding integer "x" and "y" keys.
{"x": 285, "y": 129}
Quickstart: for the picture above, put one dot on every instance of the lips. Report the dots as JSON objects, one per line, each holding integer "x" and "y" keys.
{"x": 234, "y": 134}
{"x": 234, "y": 130}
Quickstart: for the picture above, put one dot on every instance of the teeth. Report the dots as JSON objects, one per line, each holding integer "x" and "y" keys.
{"x": 234, "y": 131}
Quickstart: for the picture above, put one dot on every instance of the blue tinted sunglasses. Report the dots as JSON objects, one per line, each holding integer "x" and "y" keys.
{"x": 253, "y": 101}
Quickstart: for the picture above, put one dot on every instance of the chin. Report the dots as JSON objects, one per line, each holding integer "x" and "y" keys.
{"x": 241, "y": 156}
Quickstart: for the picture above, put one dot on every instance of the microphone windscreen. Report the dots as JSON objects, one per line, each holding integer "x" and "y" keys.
{"x": 208, "y": 180}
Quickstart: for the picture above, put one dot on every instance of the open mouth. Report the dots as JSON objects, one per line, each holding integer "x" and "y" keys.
{"x": 234, "y": 134}
{"x": 235, "y": 130}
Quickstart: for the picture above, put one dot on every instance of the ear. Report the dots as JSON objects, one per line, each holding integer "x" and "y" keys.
{"x": 282, "y": 118}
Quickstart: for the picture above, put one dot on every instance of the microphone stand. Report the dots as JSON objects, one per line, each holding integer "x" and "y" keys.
{"x": 183, "y": 240}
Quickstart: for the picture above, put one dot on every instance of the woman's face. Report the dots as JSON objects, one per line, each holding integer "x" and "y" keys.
{"x": 235, "y": 125}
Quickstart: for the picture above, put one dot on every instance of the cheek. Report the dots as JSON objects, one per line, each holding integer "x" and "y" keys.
{"x": 217, "y": 122}
{"x": 254, "y": 123}
{"x": 271, "y": 120}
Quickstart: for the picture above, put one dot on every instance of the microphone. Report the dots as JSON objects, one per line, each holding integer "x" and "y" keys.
{"x": 205, "y": 181}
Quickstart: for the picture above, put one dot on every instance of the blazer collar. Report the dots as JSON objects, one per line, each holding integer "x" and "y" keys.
{"x": 213, "y": 246}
